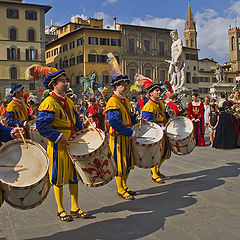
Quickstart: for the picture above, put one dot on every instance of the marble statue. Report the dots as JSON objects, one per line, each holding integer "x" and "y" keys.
{"x": 219, "y": 74}
{"x": 177, "y": 64}
{"x": 90, "y": 82}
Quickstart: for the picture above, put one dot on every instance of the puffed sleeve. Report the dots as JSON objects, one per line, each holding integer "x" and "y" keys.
{"x": 43, "y": 125}
{"x": 114, "y": 118}
{"x": 5, "y": 133}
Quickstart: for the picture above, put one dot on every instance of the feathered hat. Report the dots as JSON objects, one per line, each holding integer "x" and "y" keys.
{"x": 117, "y": 76}
{"x": 16, "y": 88}
{"x": 37, "y": 72}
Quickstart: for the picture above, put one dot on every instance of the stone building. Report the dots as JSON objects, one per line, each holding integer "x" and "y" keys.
{"x": 199, "y": 73}
{"x": 81, "y": 48}
{"x": 144, "y": 50}
{"x": 22, "y": 41}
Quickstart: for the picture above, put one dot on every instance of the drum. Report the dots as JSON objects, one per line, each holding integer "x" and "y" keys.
{"x": 92, "y": 158}
{"x": 24, "y": 174}
{"x": 146, "y": 149}
{"x": 180, "y": 133}
{"x": 35, "y": 135}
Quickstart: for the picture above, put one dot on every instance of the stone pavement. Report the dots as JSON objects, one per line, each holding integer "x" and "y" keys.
{"x": 200, "y": 200}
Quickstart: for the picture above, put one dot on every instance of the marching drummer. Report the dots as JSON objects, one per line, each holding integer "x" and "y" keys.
{"x": 57, "y": 121}
{"x": 118, "y": 114}
{"x": 153, "y": 111}
{"x": 7, "y": 134}
{"x": 17, "y": 111}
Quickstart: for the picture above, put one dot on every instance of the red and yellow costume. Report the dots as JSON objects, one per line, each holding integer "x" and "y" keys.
{"x": 196, "y": 112}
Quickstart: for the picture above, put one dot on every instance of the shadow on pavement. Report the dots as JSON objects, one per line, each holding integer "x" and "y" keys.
{"x": 152, "y": 207}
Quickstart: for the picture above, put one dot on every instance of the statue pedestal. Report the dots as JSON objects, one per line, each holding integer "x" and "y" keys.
{"x": 217, "y": 88}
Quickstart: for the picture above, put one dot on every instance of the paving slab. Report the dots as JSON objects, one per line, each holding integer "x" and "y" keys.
{"x": 200, "y": 200}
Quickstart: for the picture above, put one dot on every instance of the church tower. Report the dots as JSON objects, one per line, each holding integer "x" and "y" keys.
{"x": 234, "y": 47}
{"x": 190, "y": 33}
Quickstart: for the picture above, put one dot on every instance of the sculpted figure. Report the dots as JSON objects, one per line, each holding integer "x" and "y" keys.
{"x": 219, "y": 73}
{"x": 176, "y": 68}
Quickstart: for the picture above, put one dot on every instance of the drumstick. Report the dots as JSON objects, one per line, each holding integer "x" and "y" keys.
{"x": 140, "y": 124}
{"x": 78, "y": 142}
{"x": 3, "y": 165}
{"x": 152, "y": 138}
{"x": 25, "y": 144}
{"x": 93, "y": 127}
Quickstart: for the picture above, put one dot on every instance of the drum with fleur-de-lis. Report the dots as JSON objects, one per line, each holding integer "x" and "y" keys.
{"x": 92, "y": 158}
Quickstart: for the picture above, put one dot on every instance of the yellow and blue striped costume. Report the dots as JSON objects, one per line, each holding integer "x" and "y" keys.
{"x": 118, "y": 113}
{"x": 52, "y": 121}
{"x": 16, "y": 113}
{"x": 154, "y": 112}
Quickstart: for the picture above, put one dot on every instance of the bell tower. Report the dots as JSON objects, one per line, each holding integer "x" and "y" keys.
{"x": 190, "y": 33}
{"x": 234, "y": 47}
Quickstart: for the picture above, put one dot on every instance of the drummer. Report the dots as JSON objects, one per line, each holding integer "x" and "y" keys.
{"x": 7, "y": 134}
{"x": 118, "y": 114}
{"x": 57, "y": 121}
{"x": 153, "y": 111}
{"x": 17, "y": 111}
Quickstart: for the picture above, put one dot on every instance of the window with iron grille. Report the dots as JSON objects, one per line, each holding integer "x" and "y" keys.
{"x": 30, "y": 15}
{"x": 72, "y": 61}
{"x": 146, "y": 44}
{"x": 65, "y": 63}
{"x": 79, "y": 42}
{"x": 116, "y": 42}
{"x": 72, "y": 45}
{"x": 92, "y": 58}
{"x": 65, "y": 47}
{"x": 161, "y": 49}
{"x": 12, "y": 13}
{"x": 104, "y": 41}
{"x": 103, "y": 58}
{"x": 79, "y": 59}
{"x": 131, "y": 45}
{"x": 93, "y": 40}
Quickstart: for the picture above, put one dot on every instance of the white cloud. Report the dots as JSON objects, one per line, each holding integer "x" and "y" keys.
{"x": 109, "y": 2}
{"x": 107, "y": 20}
{"x": 212, "y": 30}
{"x": 84, "y": 17}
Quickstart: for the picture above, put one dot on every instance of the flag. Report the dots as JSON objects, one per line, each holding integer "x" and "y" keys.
{"x": 142, "y": 81}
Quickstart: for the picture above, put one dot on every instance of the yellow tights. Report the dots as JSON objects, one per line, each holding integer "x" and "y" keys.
{"x": 58, "y": 191}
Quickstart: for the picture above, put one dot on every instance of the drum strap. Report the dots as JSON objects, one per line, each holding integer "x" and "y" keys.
{"x": 68, "y": 114}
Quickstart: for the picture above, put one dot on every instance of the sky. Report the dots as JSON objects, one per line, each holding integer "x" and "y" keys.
{"x": 212, "y": 17}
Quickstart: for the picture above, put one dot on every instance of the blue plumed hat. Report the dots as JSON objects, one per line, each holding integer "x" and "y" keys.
{"x": 153, "y": 86}
{"x": 50, "y": 78}
{"x": 118, "y": 79}
{"x": 16, "y": 88}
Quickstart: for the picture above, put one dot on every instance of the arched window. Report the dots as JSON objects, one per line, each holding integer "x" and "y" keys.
{"x": 192, "y": 43}
{"x": 12, "y": 34}
{"x": 233, "y": 43}
{"x": 31, "y": 35}
{"x": 31, "y": 54}
{"x": 13, "y": 73}
{"x": 13, "y": 53}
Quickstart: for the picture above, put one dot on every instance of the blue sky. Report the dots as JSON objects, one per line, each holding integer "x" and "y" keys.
{"x": 212, "y": 17}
